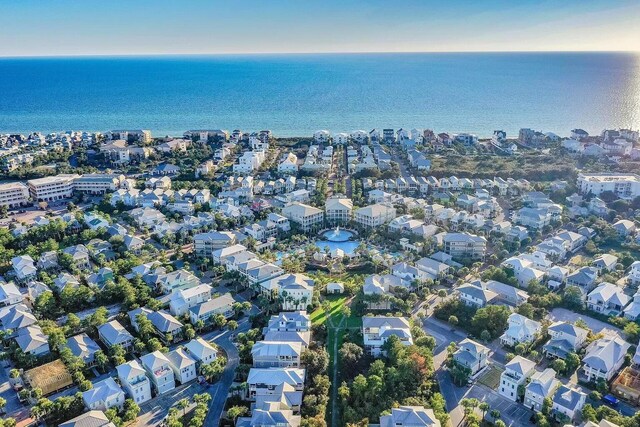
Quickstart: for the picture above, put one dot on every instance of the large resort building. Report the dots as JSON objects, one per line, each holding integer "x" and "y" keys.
{"x": 375, "y": 215}
{"x": 625, "y": 186}
{"x": 52, "y": 188}
{"x": 307, "y": 217}
{"x": 14, "y": 194}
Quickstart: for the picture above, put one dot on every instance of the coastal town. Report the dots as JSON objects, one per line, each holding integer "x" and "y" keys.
{"x": 390, "y": 277}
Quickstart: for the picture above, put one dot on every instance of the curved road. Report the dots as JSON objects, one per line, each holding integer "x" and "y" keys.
{"x": 220, "y": 390}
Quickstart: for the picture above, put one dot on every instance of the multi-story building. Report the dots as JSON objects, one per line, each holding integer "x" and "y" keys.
{"x": 276, "y": 354}
{"x": 471, "y": 355}
{"x": 205, "y": 243}
{"x": 464, "y": 245}
{"x": 604, "y": 357}
{"x": 208, "y": 309}
{"x": 52, "y": 188}
{"x": 14, "y": 194}
{"x": 338, "y": 209}
{"x": 159, "y": 370}
{"x": 626, "y": 186}
{"x": 105, "y": 394}
{"x": 307, "y": 217}
{"x": 130, "y": 135}
{"x": 565, "y": 339}
{"x": 183, "y": 365}
{"x": 183, "y": 299}
{"x": 377, "y": 329}
{"x": 542, "y": 384}
{"x": 266, "y": 380}
{"x": 375, "y": 215}
{"x": 294, "y": 291}
{"x": 521, "y": 330}
{"x": 97, "y": 183}
{"x": 516, "y": 373}
{"x": 134, "y": 379}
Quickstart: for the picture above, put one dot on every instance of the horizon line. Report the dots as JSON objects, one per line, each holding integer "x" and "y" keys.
{"x": 165, "y": 54}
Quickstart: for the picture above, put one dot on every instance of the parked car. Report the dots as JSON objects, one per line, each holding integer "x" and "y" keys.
{"x": 610, "y": 400}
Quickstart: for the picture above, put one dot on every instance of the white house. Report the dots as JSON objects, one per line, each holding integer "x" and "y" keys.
{"x": 289, "y": 164}
{"x": 105, "y": 394}
{"x": 521, "y": 330}
{"x": 475, "y": 295}
{"x": 568, "y": 402}
{"x": 276, "y": 354}
{"x": 203, "y": 352}
{"x": 183, "y": 365}
{"x": 410, "y": 416}
{"x": 516, "y": 373}
{"x": 607, "y": 298}
{"x": 265, "y": 380}
{"x": 84, "y": 347}
{"x": 134, "y": 379}
{"x": 9, "y": 294}
{"x": 183, "y": 299}
{"x": 294, "y": 290}
{"x": 159, "y": 370}
{"x": 377, "y": 329}
{"x": 565, "y": 338}
{"x": 542, "y": 384}
{"x": 33, "y": 341}
{"x": 112, "y": 333}
{"x": 208, "y": 309}
{"x": 472, "y": 355}
{"x": 604, "y": 357}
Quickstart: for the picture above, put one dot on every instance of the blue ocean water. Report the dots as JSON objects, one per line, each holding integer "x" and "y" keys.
{"x": 293, "y": 95}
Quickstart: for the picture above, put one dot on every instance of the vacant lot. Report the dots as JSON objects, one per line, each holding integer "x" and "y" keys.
{"x": 491, "y": 378}
{"x": 533, "y": 167}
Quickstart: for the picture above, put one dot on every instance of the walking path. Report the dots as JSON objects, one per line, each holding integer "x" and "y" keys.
{"x": 334, "y": 379}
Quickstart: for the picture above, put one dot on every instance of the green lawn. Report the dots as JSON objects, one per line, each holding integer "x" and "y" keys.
{"x": 318, "y": 317}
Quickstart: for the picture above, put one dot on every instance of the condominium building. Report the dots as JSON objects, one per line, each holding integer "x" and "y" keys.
{"x": 97, "y": 183}
{"x": 375, "y": 215}
{"x": 307, "y": 217}
{"x": 626, "y": 186}
{"x": 464, "y": 245}
{"x": 52, "y": 188}
{"x": 338, "y": 209}
{"x": 137, "y": 135}
{"x": 14, "y": 194}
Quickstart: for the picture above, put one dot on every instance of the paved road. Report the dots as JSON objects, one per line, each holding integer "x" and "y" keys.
{"x": 7, "y": 392}
{"x": 220, "y": 391}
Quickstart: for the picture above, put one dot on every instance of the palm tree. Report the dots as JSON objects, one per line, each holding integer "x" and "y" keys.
{"x": 495, "y": 414}
{"x": 442, "y": 293}
{"x": 484, "y": 407}
{"x": 183, "y": 404}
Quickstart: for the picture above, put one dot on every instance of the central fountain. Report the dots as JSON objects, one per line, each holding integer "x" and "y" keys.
{"x": 337, "y": 238}
{"x": 338, "y": 235}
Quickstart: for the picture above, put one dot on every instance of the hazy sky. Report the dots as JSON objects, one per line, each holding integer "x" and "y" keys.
{"x": 108, "y": 27}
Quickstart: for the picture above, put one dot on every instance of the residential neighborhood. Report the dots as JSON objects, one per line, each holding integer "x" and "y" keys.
{"x": 355, "y": 278}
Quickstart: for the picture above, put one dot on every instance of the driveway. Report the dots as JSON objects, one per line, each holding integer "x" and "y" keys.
{"x": 564, "y": 315}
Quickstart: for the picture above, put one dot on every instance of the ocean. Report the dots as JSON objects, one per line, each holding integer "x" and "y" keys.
{"x": 294, "y": 95}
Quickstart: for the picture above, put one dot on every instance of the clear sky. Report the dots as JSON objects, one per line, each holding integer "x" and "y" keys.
{"x": 124, "y": 27}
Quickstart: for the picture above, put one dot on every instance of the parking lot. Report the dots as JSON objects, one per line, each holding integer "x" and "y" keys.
{"x": 513, "y": 414}
{"x": 154, "y": 411}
